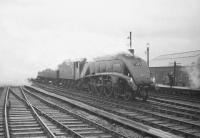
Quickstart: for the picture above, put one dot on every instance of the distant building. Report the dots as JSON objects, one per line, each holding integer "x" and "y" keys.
{"x": 187, "y": 70}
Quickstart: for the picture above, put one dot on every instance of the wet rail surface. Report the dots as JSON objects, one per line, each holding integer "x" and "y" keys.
{"x": 167, "y": 115}
{"x": 32, "y": 116}
{"x": 121, "y": 118}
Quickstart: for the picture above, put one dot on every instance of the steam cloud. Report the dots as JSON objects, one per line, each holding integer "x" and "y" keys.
{"x": 194, "y": 74}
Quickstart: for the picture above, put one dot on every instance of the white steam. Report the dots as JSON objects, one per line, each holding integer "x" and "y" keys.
{"x": 194, "y": 74}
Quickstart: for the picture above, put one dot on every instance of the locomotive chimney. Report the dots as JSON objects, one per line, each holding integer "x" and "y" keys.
{"x": 131, "y": 49}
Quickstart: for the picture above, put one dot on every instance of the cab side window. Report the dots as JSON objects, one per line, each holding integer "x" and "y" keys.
{"x": 117, "y": 67}
{"x": 102, "y": 67}
{"x": 109, "y": 67}
{"x": 97, "y": 68}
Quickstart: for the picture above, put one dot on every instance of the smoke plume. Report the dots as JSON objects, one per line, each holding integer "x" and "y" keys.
{"x": 194, "y": 74}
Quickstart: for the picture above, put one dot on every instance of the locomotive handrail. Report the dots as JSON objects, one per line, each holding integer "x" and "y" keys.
{"x": 110, "y": 73}
{"x": 128, "y": 79}
{"x": 5, "y": 114}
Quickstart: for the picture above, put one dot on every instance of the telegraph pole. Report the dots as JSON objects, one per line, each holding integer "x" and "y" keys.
{"x": 174, "y": 77}
{"x": 148, "y": 54}
{"x": 130, "y": 40}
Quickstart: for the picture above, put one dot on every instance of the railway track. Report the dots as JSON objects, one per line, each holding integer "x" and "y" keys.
{"x": 32, "y": 116}
{"x": 73, "y": 122}
{"x": 183, "y": 106}
{"x": 176, "y": 97}
{"x": 177, "y": 93}
{"x": 96, "y": 121}
{"x": 23, "y": 121}
{"x": 177, "y": 118}
{"x": 118, "y": 119}
{"x": 2, "y": 98}
{"x": 178, "y": 103}
{"x": 166, "y": 103}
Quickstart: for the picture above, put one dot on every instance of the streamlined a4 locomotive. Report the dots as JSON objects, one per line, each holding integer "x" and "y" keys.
{"x": 121, "y": 76}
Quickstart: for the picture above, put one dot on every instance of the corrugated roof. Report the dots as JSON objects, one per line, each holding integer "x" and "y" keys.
{"x": 182, "y": 59}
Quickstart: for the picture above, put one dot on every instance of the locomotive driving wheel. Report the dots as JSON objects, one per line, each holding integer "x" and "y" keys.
{"x": 128, "y": 95}
{"x": 108, "y": 90}
{"x": 143, "y": 94}
{"x": 115, "y": 91}
{"x": 97, "y": 90}
{"x": 87, "y": 84}
{"x": 89, "y": 87}
{"x": 101, "y": 90}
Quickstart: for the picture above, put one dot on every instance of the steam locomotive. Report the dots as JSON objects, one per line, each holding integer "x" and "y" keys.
{"x": 121, "y": 76}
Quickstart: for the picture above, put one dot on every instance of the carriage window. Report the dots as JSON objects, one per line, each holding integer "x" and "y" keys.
{"x": 117, "y": 67}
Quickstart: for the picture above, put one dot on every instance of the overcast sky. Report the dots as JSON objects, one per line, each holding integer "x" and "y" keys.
{"x": 36, "y": 34}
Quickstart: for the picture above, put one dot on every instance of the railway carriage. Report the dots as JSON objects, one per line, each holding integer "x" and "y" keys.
{"x": 184, "y": 67}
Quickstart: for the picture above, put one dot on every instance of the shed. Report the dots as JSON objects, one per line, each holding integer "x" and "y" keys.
{"x": 163, "y": 65}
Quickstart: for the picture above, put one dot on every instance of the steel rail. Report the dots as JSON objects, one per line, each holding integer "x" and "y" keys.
{"x": 44, "y": 126}
{"x": 154, "y": 124}
{"x": 174, "y": 102}
{"x": 144, "y": 129}
{"x": 7, "y": 132}
{"x": 78, "y": 116}
{"x": 183, "y": 110}
{"x": 76, "y": 135}
{"x": 71, "y": 132}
